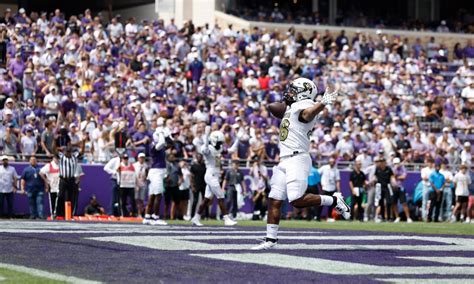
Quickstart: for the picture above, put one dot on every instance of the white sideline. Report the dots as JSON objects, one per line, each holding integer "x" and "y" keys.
{"x": 46, "y": 274}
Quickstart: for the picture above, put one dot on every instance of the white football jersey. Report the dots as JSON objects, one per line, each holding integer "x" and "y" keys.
{"x": 294, "y": 134}
{"x": 212, "y": 160}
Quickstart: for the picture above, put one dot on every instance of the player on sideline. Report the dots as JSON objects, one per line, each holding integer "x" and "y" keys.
{"x": 289, "y": 179}
{"x": 211, "y": 150}
{"x": 156, "y": 174}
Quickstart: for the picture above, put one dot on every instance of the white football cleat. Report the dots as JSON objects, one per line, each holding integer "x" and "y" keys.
{"x": 187, "y": 218}
{"x": 341, "y": 206}
{"x": 397, "y": 220}
{"x": 409, "y": 220}
{"x": 265, "y": 245}
{"x": 229, "y": 222}
{"x": 330, "y": 220}
{"x": 159, "y": 222}
{"x": 146, "y": 221}
{"x": 196, "y": 221}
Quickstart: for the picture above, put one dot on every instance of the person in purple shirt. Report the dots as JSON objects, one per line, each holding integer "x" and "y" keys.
{"x": 272, "y": 151}
{"x": 196, "y": 67}
{"x": 469, "y": 49}
{"x": 156, "y": 175}
{"x": 141, "y": 139}
{"x": 17, "y": 67}
{"x": 68, "y": 105}
{"x": 93, "y": 105}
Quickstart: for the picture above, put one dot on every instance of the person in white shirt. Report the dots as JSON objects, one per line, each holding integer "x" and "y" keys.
{"x": 365, "y": 159}
{"x": 52, "y": 102}
{"x": 28, "y": 143}
{"x": 250, "y": 83}
{"x": 461, "y": 183}
{"x": 345, "y": 145}
{"x": 47, "y": 59}
{"x": 330, "y": 182}
{"x": 201, "y": 115}
{"x": 141, "y": 171}
{"x": 115, "y": 28}
{"x": 111, "y": 168}
{"x": 468, "y": 92}
{"x": 425, "y": 179}
{"x": 8, "y": 186}
{"x": 445, "y": 140}
{"x": 466, "y": 156}
{"x": 131, "y": 28}
{"x": 447, "y": 200}
{"x": 184, "y": 188}
{"x": 50, "y": 174}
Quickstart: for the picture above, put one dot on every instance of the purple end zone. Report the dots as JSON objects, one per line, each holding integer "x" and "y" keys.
{"x": 75, "y": 255}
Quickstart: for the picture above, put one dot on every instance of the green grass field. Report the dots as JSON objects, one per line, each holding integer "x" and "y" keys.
{"x": 417, "y": 227}
{"x": 11, "y": 276}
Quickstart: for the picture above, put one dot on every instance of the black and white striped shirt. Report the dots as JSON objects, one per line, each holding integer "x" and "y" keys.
{"x": 67, "y": 166}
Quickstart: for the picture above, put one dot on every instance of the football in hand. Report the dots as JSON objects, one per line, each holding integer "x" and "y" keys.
{"x": 277, "y": 109}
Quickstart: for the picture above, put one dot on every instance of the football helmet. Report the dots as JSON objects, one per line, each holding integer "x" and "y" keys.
{"x": 300, "y": 89}
{"x": 216, "y": 139}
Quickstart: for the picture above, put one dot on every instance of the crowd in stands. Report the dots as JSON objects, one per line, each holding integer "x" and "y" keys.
{"x": 96, "y": 86}
{"x": 463, "y": 23}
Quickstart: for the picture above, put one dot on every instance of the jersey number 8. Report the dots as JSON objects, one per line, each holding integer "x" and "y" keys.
{"x": 285, "y": 123}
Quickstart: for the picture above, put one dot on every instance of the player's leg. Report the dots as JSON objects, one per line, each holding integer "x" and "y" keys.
{"x": 155, "y": 191}
{"x": 275, "y": 200}
{"x": 149, "y": 209}
{"x": 196, "y": 220}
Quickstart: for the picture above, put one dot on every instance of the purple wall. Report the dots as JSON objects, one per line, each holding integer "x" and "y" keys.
{"x": 97, "y": 182}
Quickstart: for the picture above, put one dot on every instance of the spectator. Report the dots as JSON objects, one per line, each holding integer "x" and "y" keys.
{"x": 28, "y": 144}
{"x": 233, "y": 184}
{"x": 94, "y": 208}
{"x": 384, "y": 176}
{"x": 184, "y": 190}
{"x": 10, "y": 141}
{"x": 447, "y": 198}
{"x": 33, "y": 185}
{"x": 47, "y": 139}
{"x": 425, "y": 178}
{"x": 111, "y": 168}
{"x": 314, "y": 187}
{"x": 173, "y": 180}
{"x": 437, "y": 182}
{"x": 357, "y": 184}
{"x": 127, "y": 179}
{"x": 462, "y": 180}
{"x": 259, "y": 187}
{"x": 8, "y": 187}
{"x": 198, "y": 184}
{"x": 141, "y": 171}
{"x": 50, "y": 174}
{"x": 400, "y": 174}
{"x": 466, "y": 156}
{"x": 330, "y": 182}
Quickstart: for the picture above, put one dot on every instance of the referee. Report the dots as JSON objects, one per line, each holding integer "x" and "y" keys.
{"x": 68, "y": 164}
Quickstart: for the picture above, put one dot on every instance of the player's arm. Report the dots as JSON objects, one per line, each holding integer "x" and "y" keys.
{"x": 161, "y": 141}
{"x": 235, "y": 145}
{"x": 205, "y": 145}
{"x": 307, "y": 115}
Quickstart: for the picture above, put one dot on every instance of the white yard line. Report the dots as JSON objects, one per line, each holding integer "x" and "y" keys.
{"x": 45, "y": 274}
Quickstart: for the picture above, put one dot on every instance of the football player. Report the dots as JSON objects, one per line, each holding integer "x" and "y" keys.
{"x": 290, "y": 176}
{"x": 211, "y": 150}
{"x": 156, "y": 174}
